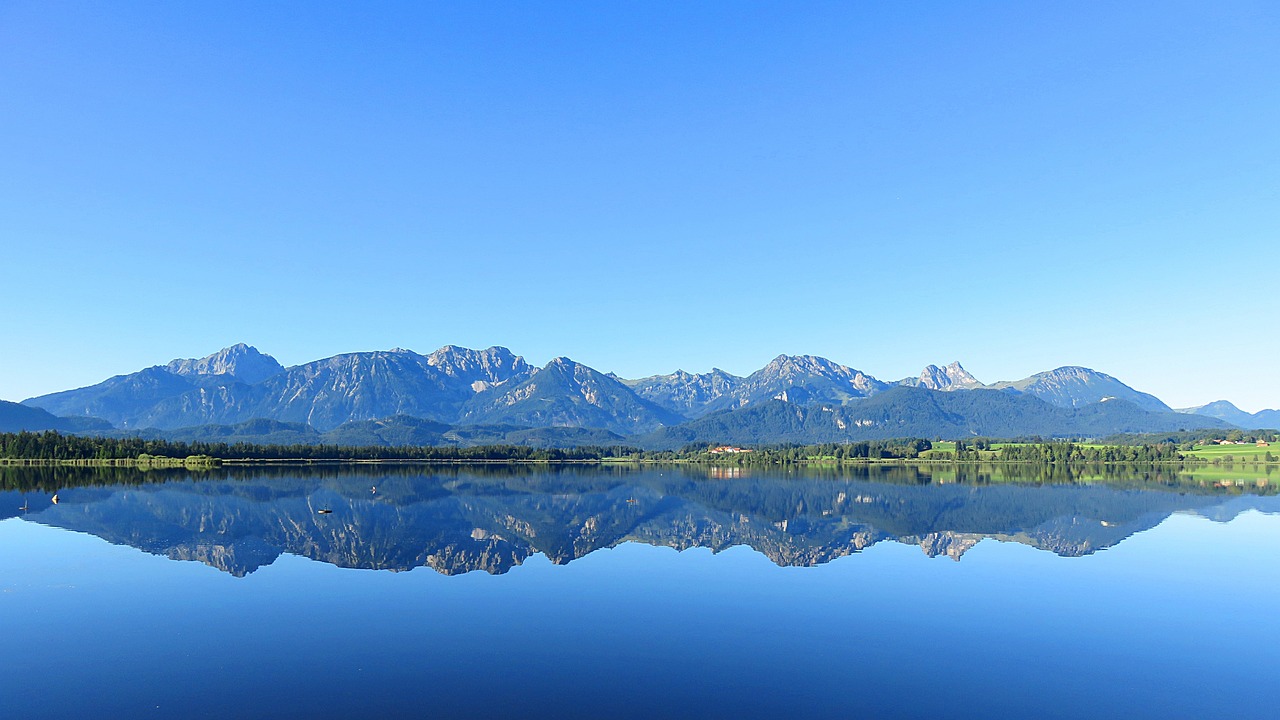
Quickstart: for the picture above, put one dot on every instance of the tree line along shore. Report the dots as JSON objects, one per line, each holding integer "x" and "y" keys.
{"x": 1260, "y": 448}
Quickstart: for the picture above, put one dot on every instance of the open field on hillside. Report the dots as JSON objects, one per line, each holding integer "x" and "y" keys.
{"x": 1249, "y": 453}
{"x": 1237, "y": 454}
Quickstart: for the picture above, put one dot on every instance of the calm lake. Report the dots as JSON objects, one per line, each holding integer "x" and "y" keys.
{"x": 649, "y": 592}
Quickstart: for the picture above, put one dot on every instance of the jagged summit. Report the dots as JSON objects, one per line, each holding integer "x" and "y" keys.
{"x": 686, "y": 393}
{"x": 951, "y": 377}
{"x": 241, "y": 361}
{"x": 806, "y": 378}
{"x": 479, "y": 369}
{"x": 786, "y": 368}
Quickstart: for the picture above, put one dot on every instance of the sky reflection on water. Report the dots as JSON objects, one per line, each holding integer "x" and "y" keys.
{"x": 1174, "y": 621}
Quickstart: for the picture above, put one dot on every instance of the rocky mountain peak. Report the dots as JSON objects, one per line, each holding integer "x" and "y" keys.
{"x": 492, "y": 366}
{"x": 802, "y": 379}
{"x": 473, "y": 371}
{"x": 1076, "y": 386}
{"x": 1227, "y": 411}
{"x": 951, "y": 377}
{"x": 683, "y": 392}
{"x": 1215, "y": 406}
{"x": 795, "y": 366}
{"x": 240, "y": 361}
{"x": 1072, "y": 371}
{"x": 800, "y": 363}
{"x": 565, "y": 393}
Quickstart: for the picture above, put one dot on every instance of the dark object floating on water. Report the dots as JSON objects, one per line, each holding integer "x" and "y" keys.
{"x": 325, "y": 511}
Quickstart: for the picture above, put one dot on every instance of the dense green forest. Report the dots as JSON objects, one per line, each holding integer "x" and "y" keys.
{"x": 1064, "y": 452}
{"x": 1188, "y": 438}
{"x": 53, "y": 446}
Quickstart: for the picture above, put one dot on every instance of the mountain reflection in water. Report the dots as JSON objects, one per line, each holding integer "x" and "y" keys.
{"x": 491, "y": 518}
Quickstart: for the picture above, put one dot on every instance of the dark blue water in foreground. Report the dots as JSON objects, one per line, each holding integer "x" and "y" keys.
{"x": 636, "y": 594}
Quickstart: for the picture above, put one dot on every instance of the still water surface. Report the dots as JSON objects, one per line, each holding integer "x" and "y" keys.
{"x": 645, "y": 593}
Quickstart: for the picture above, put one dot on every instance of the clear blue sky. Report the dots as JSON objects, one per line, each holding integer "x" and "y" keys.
{"x": 646, "y": 186}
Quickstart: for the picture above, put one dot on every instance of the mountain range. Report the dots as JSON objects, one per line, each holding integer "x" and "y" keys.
{"x": 457, "y": 395}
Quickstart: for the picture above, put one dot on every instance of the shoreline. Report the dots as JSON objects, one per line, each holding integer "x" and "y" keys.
{"x": 205, "y": 463}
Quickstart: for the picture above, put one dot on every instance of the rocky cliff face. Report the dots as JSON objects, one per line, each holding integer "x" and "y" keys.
{"x": 951, "y": 544}
{"x": 951, "y": 377}
{"x": 479, "y": 370}
{"x": 118, "y": 400}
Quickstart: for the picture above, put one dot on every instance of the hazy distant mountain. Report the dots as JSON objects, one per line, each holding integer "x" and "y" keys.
{"x": 118, "y": 400}
{"x": 553, "y": 437}
{"x": 243, "y": 362}
{"x": 1224, "y": 410}
{"x": 258, "y": 431}
{"x": 402, "y": 430}
{"x": 686, "y": 393}
{"x": 397, "y": 431}
{"x": 918, "y": 412}
{"x": 139, "y": 399}
{"x": 570, "y": 394}
{"x": 15, "y": 417}
{"x": 951, "y": 377}
{"x": 1267, "y": 419}
{"x": 1079, "y": 386}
